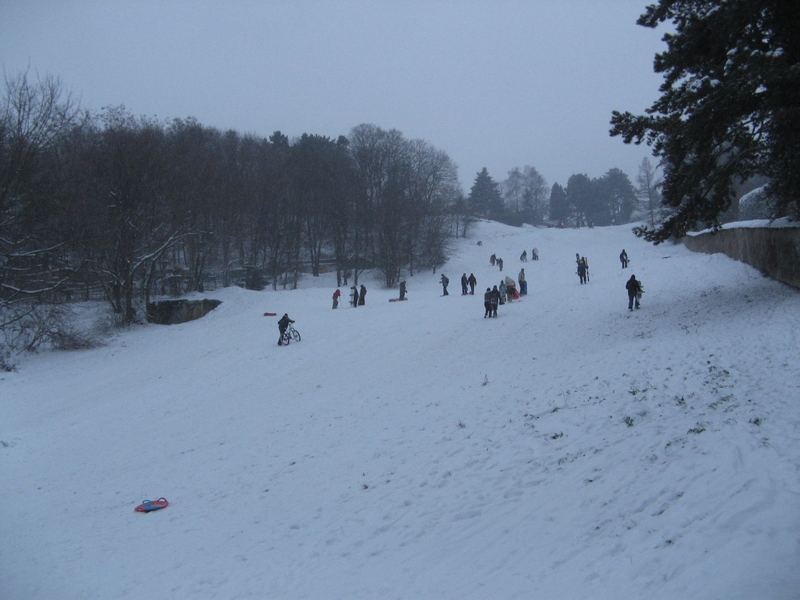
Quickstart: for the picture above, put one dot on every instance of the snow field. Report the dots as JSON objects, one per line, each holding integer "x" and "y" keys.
{"x": 569, "y": 448}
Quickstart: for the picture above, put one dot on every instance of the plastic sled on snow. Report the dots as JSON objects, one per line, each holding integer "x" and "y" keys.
{"x": 151, "y": 505}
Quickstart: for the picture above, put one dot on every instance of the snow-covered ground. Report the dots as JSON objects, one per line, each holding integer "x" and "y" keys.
{"x": 567, "y": 449}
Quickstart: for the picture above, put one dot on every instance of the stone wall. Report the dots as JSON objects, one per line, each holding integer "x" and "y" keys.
{"x": 775, "y": 251}
{"x": 172, "y": 312}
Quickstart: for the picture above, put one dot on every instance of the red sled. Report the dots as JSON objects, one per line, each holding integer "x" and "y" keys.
{"x": 151, "y": 505}
{"x": 270, "y": 314}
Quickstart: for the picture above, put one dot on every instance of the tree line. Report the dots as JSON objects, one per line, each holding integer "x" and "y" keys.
{"x": 125, "y": 207}
{"x": 524, "y": 197}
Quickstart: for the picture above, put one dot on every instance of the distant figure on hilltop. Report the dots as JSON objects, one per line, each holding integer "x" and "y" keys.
{"x": 623, "y": 258}
{"x": 472, "y": 283}
{"x": 500, "y": 263}
{"x": 363, "y": 296}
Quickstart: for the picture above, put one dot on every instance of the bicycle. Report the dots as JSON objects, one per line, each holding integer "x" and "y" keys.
{"x": 290, "y": 334}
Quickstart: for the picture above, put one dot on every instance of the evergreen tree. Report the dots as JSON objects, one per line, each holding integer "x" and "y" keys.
{"x": 484, "y": 196}
{"x": 617, "y": 198}
{"x": 559, "y": 209}
{"x": 729, "y": 106}
{"x": 580, "y": 194}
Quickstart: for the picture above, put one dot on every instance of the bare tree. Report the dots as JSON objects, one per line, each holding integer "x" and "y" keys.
{"x": 36, "y": 119}
{"x": 648, "y": 186}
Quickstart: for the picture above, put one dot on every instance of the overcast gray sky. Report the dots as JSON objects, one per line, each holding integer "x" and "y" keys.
{"x": 496, "y": 84}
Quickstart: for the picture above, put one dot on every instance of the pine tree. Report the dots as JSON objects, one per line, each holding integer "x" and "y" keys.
{"x": 559, "y": 209}
{"x": 484, "y": 196}
{"x": 729, "y": 107}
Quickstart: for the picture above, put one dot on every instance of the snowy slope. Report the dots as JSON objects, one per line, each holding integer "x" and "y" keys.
{"x": 417, "y": 450}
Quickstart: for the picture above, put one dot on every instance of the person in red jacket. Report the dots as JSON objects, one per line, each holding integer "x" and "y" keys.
{"x": 336, "y": 295}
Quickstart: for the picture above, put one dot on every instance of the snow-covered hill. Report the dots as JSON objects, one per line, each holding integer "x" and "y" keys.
{"x": 568, "y": 449}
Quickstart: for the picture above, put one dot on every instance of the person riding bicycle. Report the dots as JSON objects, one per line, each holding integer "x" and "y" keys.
{"x": 283, "y": 324}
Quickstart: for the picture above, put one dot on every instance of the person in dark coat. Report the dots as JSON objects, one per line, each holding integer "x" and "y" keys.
{"x": 623, "y": 258}
{"x": 445, "y": 282}
{"x": 362, "y": 297}
{"x": 523, "y": 285}
{"x": 283, "y": 323}
{"x": 472, "y": 283}
{"x": 582, "y": 270}
{"x": 495, "y": 300}
{"x": 492, "y": 259}
{"x": 634, "y": 287}
{"x": 487, "y": 303}
{"x": 403, "y": 290}
{"x": 524, "y": 256}
{"x": 464, "y": 282}
{"x": 336, "y": 295}
{"x": 500, "y": 263}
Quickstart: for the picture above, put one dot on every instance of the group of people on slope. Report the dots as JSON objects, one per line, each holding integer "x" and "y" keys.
{"x": 506, "y": 291}
{"x": 357, "y": 297}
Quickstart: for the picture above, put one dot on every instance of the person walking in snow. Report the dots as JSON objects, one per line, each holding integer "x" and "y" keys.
{"x": 403, "y": 290}
{"x": 283, "y": 323}
{"x": 492, "y": 259}
{"x": 500, "y": 263}
{"x": 582, "y": 271}
{"x": 524, "y": 256}
{"x": 523, "y": 285}
{"x": 336, "y": 295}
{"x": 494, "y": 301}
{"x": 445, "y": 282}
{"x": 502, "y": 291}
{"x": 487, "y": 303}
{"x": 464, "y": 283}
{"x": 535, "y": 254}
{"x": 363, "y": 296}
{"x": 623, "y": 258}
{"x": 634, "y": 288}
{"x": 472, "y": 283}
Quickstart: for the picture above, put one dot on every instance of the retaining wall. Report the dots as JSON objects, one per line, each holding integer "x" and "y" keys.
{"x": 775, "y": 251}
{"x": 172, "y": 312}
